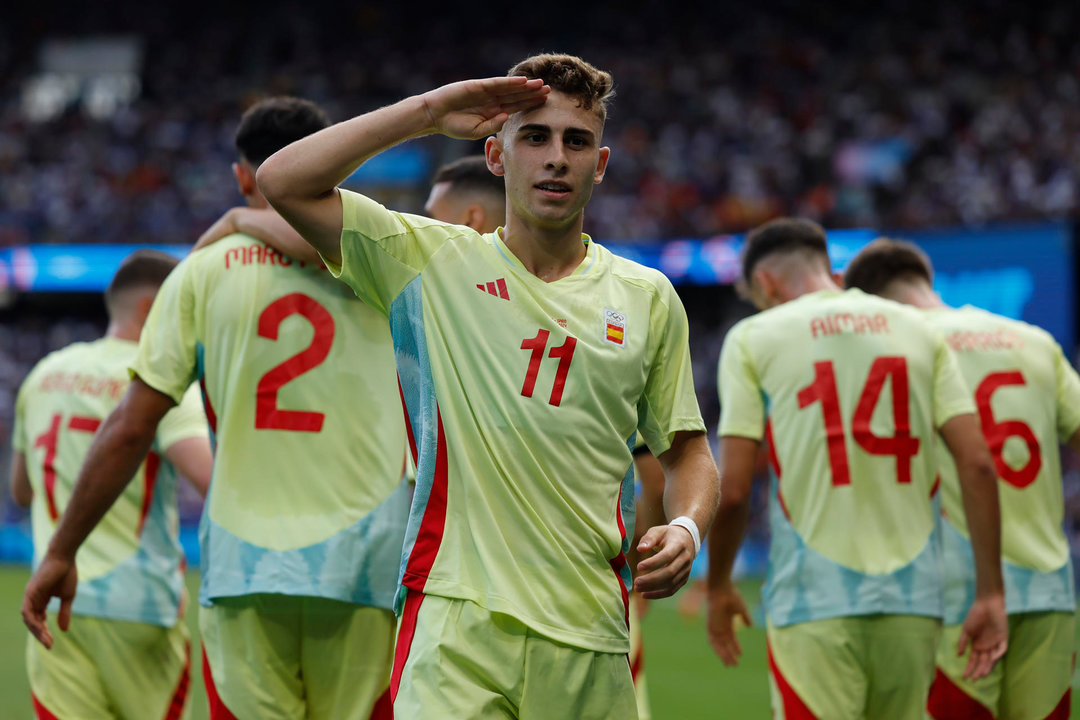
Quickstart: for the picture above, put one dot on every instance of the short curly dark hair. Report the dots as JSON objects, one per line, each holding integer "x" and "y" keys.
{"x": 572, "y": 76}
{"x": 885, "y": 260}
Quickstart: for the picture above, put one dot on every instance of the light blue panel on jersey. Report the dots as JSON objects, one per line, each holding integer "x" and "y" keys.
{"x": 418, "y": 392}
{"x": 804, "y": 585}
{"x": 146, "y": 587}
{"x": 357, "y": 565}
{"x": 1026, "y": 590}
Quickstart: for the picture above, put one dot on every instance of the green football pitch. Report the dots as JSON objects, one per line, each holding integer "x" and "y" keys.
{"x": 686, "y": 681}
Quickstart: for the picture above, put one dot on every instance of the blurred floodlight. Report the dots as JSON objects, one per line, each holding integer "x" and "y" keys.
{"x": 101, "y": 74}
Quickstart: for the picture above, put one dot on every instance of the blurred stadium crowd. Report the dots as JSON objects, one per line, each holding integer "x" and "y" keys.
{"x": 953, "y": 112}
{"x": 726, "y": 116}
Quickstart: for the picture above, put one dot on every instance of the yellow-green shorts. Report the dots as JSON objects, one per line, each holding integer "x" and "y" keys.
{"x": 1030, "y": 682}
{"x": 111, "y": 669}
{"x": 279, "y": 656}
{"x": 457, "y": 660}
{"x": 871, "y": 666}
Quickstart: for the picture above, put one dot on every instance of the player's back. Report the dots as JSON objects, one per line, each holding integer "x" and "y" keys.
{"x": 306, "y": 496}
{"x": 130, "y": 567}
{"x": 855, "y": 388}
{"x": 1025, "y": 392}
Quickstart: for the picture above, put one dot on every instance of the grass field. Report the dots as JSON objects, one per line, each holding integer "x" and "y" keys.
{"x": 686, "y": 680}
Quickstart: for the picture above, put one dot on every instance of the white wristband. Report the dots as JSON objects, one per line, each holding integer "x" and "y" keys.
{"x": 691, "y": 527}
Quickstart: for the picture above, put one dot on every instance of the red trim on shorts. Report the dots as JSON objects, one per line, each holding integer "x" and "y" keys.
{"x": 176, "y": 705}
{"x": 429, "y": 536}
{"x": 794, "y": 707}
{"x": 384, "y": 707}
{"x": 218, "y": 711}
{"x": 413, "y": 600}
{"x": 948, "y": 702}
{"x": 40, "y": 711}
{"x": 1061, "y": 712}
{"x": 153, "y": 464}
{"x": 637, "y": 663}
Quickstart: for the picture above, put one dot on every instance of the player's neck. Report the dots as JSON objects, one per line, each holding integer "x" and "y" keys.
{"x": 548, "y": 253}
{"x": 920, "y": 296}
{"x": 806, "y": 284}
{"x": 119, "y": 330}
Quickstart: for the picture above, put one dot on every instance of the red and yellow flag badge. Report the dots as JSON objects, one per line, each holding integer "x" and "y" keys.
{"x": 614, "y": 327}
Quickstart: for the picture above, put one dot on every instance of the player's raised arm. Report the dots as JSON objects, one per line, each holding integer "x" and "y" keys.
{"x": 986, "y": 626}
{"x": 301, "y": 180}
{"x": 691, "y": 493}
{"x": 118, "y": 448}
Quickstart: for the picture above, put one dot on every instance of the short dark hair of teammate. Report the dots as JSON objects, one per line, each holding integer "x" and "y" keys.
{"x": 784, "y": 235}
{"x": 466, "y": 192}
{"x": 271, "y": 124}
{"x": 142, "y": 269}
{"x": 885, "y": 260}
{"x": 590, "y": 86}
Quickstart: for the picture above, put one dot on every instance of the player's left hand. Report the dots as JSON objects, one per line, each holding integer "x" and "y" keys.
{"x": 669, "y": 553}
{"x": 726, "y": 607}
{"x": 986, "y": 629}
{"x": 55, "y": 577}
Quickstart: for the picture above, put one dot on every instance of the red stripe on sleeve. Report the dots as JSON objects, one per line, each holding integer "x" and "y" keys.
{"x": 794, "y": 707}
{"x": 619, "y": 561}
{"x": 429, "y": 536}
{"x": 408, "y": 424}
{"x": 153, "y": 464}
{"x": 211, "y": 416}
{"x": 413, "y": 600}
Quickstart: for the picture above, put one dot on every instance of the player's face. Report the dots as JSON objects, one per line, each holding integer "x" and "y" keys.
{"x": 551, "y": 158}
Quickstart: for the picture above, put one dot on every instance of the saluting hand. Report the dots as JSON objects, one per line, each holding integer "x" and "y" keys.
{"x": 55, "y": 577}
{"x": 474, "y": 109}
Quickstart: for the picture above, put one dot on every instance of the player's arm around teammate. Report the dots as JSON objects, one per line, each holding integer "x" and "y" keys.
{"x": 118, "y": 449}
{"x": 21, "y": 492}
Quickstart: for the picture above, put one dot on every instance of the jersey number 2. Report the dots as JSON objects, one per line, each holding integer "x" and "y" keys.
{"x": 268, "y": 416}
{"x": 901, "y": 444}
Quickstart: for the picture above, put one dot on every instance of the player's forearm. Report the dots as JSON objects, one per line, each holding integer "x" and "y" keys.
{"x": 725, "y": 537}
{"x": 276, "y": 232}
{"x": 118, "y": 449}
{"x": 978, "y": 484}
{"x": 314, "y": 166}
{"x": 21, "y": 491}
{"x": 692, "y": 488}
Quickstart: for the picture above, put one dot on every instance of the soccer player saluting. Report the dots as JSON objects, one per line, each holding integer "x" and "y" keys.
{"x": 529, "y": 359}
{"x": 1028, "y": 399}
{"x": 849, "y": 391}
{"x": 305, "y": 518}
{"x": 131, "y": 568}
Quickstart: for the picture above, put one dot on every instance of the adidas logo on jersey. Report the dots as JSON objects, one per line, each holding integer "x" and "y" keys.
{"x": 496, "y": 288}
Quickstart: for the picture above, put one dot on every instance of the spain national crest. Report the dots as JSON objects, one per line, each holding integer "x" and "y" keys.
{"x": 614, "y": 327}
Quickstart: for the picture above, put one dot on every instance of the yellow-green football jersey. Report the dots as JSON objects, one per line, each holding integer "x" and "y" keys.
{"x": 524, "y": 398}
{"x": 1028, "y": 399}
{"x": 849, "y": 390}
{"x": 131, "y": 565}
{"x": 306, "y": 496}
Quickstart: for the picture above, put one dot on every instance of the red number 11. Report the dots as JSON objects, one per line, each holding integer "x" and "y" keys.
{"x": 565, "y": 354}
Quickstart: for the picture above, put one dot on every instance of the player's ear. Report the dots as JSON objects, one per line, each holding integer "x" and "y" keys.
{"x": 493, "y": 152}
{"x": 475, "y": 218}
{"x": 765, "y": 291}
{"x": 838, "y": 278}
{"x": 245, "y": 178}
{"x": 601, "y": 165}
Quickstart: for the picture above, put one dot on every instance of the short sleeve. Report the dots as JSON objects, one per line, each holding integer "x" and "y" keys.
{"x": 383, "y": 251}
{"x": 167, "y": 359}
{"x": 742, "y": 405}
{"x": 669, "y": 403}
{"x": 1068, "y": 396}
{"x": 186, "y": 420}
{"x": 951, "y": 394}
